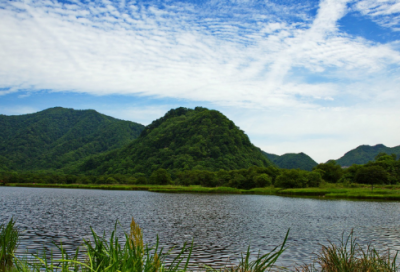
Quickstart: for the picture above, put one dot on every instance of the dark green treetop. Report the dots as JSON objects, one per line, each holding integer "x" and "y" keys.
{"x": 55, "y": 137}
{"x": 183, "y": 139}
{"x": 292, "y": 161}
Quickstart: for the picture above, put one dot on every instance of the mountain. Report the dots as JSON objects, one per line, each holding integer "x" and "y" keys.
{"x": 183, "y": 139}
{"x": 366, "y": 153}
{"x": 55, "y": 137}
{"x": 292, "y": 161}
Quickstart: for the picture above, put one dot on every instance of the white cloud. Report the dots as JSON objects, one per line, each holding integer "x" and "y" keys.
{"x": 323, "y": 134}
{"x": 384, "y": 12}
{"x": 150, "y": 52}
{"x": 303, "y": 73}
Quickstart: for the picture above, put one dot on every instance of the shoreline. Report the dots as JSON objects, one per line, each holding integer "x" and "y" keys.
{"x": 333, "y": 191}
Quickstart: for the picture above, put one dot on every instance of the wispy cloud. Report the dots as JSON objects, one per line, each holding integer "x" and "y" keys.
{"x": 242, "y": 54}
{"x": 124, "y": 48}
{"x": 384, "y": 12}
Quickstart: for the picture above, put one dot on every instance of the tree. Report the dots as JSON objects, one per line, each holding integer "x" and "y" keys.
{"x": 293, "y": 178}
{"x": 332, "y": 171}
{"x": 160, "y": 176}
{"x": 374, "y": 174}
{"x": 262, "y": 180}
{"x": 314, "y": 178}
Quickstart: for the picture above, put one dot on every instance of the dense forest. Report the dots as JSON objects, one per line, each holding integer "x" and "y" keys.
{"x": 366, "y": 153}
{"x": 385, "y": 169}
{"x": 292, "y": 161}
{"x": 184, "y": 147}
{"x": 183, "y": 139}
{"x": 56, "y": 137}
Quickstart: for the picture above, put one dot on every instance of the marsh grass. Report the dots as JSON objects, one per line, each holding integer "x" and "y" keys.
{"x": 8, "y": 244}
{"x": 262, "y": 263}
{"x": 349, "y": 256}
{"x": 109, "y": 255}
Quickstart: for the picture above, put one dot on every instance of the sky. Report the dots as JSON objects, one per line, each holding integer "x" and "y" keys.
{"x": 319, "y": 77}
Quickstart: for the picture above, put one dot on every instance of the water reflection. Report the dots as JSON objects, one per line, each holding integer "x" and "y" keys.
{"x": 221, "y": 226}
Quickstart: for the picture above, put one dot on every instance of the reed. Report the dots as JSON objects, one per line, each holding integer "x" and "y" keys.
{"x": 109, "y": 255}
{"x": 263, "y": 263}
{"x": 349, "y": 256}
{"x": 8, "y": 244}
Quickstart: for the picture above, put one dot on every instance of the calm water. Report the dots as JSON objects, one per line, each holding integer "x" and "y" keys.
{"x": 222, "y": 226}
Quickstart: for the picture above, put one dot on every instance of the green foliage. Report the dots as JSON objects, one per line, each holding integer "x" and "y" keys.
{"x": 292, "y": 161}
{"x": 56, "y": 137}
{"x": 184, "y": 139}
{"x": 161, "y": 177}
{"x": 8, "y": 244}
{"x": 374, "y": 174}
{"x": 314, "y": 178}
{"x": 365, "y": 153}
{"x": 291, "y": 178}
{"x": 242, "y": 179}
{"x": 349, "y": 256}
{"x": 262, "y": 180}
{"x": 332, "y": 172}
{"x": 264, "y": 262}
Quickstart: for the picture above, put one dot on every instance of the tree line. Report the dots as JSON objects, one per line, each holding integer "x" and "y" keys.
{"x": 385, "y": 169}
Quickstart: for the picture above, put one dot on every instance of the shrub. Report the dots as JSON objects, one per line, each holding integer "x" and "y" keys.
{"x": 161, "y": 177}
{"x": 263, "y": 180}
{"x": 292, "y": 178}
{"x": 8, "y": 243}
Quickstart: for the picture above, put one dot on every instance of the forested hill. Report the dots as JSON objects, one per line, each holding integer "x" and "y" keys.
{"x": 292, "y": 161}
{"x": 183, "y": 139}
{"x": 366, "y": 153}
{"x": 52, "y": 138}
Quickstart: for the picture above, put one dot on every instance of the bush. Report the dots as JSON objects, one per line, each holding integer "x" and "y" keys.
{"x": 160, "y": 177}
{"x": 332, "y": 172}
{"x": 292, "y": 178}
{"x": 314, "y": 179}
{"x": 263, "y": 180}
{"x": 372, "y": 175}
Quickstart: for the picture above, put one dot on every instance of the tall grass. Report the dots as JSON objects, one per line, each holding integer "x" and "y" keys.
{"x": 8, "y": 243}
{"x": 264, "y": 262}
{"x": 112, "y": 255}
{"x": 349, "y": 256}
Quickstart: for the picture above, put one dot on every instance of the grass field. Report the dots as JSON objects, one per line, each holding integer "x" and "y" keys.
{"x": 357, "y": 191}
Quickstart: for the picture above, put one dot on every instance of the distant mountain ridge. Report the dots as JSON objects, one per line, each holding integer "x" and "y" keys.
{"x": 183, "y": 139}
{"x": 55, "y": 137}
{"x": 365, "y": 153}
{"x": 292, "y": 160}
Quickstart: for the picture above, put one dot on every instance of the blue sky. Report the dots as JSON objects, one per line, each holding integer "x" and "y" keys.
{"x": 319, "y": 77}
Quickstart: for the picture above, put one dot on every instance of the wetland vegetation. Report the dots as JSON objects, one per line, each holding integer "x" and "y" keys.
{"x": 378, "y": 179}
{"x": 114, "y": 255}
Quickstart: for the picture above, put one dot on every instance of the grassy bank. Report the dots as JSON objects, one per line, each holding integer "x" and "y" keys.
{"x": 332, "y": 191}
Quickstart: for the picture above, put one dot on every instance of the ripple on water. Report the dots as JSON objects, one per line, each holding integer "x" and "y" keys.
{"x": 221, "y": 226}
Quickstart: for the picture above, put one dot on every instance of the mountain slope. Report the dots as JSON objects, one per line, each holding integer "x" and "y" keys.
{"x": 365, "y": 153}
{"x": 52, "y": 138}
{"x": 292, "y": 161}
{"x": 182, "y": 139}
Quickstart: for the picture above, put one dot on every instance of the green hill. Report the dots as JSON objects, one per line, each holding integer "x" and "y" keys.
{"x": 366, "y": 153}
{"x": 55, "y": 137}
{"x": 292, "y": 161}
{"x": 181, "y": 140}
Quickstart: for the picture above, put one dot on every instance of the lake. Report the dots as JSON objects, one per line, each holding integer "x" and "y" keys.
{"x": 222, "y": 226}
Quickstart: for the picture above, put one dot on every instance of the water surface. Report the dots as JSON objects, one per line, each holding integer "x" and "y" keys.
{"x": 221, "y": 226}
